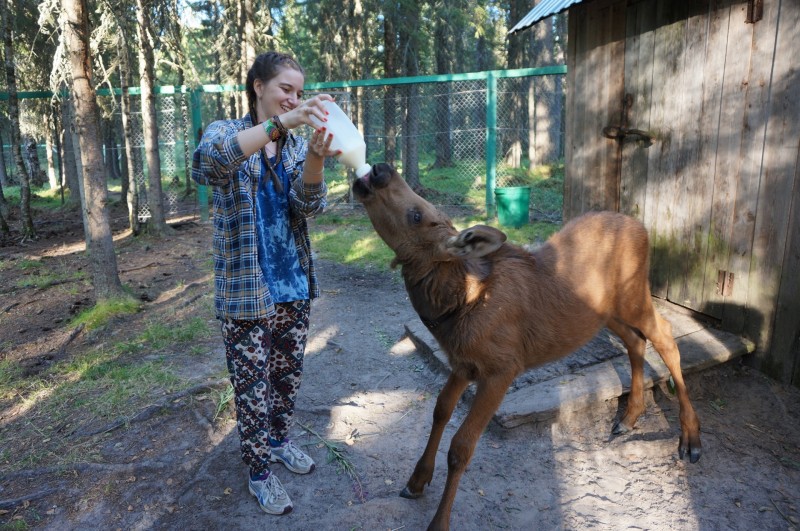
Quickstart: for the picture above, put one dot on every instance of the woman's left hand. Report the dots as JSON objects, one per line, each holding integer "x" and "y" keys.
{"x": 320, "y": 144}
{"x": 311, "y": 112}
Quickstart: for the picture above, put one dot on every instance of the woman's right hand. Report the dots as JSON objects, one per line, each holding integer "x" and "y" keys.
{"x": 302, "y": 114}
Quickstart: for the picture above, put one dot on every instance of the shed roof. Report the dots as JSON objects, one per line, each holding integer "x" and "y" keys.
{"x": 543, "y": 9}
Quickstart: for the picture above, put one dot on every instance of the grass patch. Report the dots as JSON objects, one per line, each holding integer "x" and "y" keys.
{"x": 82, "y": 395}
{"x": 44, "y": 198}
{"x": 88, "y": 392}
{"x": 159, "y": 335}
{"x": 103, "y": 312}
{"x": 40, "y": 275}
{"x": 9, "y": 372}
{"x": 350, "y": 239}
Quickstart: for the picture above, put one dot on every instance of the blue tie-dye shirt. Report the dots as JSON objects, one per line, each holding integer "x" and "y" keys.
{"x": 277, "y": 252}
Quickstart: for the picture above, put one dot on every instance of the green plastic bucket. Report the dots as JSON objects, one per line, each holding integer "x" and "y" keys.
{"x": 513, "y": 203}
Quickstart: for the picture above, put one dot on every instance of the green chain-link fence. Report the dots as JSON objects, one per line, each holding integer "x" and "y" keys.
{"x": 455, "y": 138}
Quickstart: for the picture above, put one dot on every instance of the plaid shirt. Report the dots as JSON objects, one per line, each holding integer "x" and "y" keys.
{"x": 240, "y": 289}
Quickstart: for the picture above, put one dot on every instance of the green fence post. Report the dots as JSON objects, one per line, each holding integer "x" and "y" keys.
{"x": 197, "y": 132}
{"x": 491, "y": 142}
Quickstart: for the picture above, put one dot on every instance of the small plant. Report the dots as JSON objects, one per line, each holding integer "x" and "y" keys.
{"x": 27, "y": 264}
{"x": 9, "y": 371}
{"x": 336, "y": 454}
{"x": 223, "y": 398}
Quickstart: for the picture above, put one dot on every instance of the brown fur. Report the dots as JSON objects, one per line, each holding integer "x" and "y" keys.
{"x": 497, "y": 309}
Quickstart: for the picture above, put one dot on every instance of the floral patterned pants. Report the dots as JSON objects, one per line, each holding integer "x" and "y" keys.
{"x": 265, "y": 362}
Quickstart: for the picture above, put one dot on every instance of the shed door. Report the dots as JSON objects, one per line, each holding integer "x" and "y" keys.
{"x": 684, "y": 71}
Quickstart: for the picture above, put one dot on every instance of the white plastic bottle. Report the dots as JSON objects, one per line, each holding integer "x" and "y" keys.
{"x": 346, "y": 138}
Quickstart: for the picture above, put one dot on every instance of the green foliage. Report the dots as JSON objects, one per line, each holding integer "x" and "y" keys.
{"x": 105, "y": 311}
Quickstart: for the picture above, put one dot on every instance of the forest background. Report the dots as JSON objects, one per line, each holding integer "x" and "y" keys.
{"x": 54, "y": 49}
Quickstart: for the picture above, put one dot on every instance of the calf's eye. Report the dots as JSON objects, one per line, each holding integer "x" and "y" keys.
{"x": 414, "y": 217}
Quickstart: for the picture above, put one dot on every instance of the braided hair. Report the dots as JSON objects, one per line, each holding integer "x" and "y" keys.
{"x": 265, "y": 67}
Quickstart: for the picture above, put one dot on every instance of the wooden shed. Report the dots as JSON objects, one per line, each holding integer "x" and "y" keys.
{"x": 686, "y": 115}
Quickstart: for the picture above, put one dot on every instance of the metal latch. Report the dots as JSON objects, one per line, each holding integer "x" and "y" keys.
{"x": 615, "y": 132}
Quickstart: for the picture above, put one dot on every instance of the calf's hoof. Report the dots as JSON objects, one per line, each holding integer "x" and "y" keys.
{"x": 620, "y": 428}
{"x": 406, "y": 493}
{"x": 694, "y": 451}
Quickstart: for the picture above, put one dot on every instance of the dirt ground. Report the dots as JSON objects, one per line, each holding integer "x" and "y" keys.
{"x": 170, "y": 465}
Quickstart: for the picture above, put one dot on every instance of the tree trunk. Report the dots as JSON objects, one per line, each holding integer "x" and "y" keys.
{"x": 4, "y": 208}
{"x": 157, "y": 223}
{"x": 390, "y": 70}
{"x": 129, "y": 166}
{"x": 99, "y": 242}
{"x": 36, "y": 175}
{"x": 6, "y": 30}
{"x": 180, "y": 61}
{"x": 3, "y": 212}
{"x": 443, "y": 46}
{"x": 55, "y": 111}
{"x": 218, "y": 29}
{"x": 248, "y": 48}
{"x": 410, "y": 46}
{"x": 3, "y": 175}
{"x": 69, "y": 158}
{"x": 52, "y": 174}
{"x": 512, "y": 147}
{"x": 546, "y": 125}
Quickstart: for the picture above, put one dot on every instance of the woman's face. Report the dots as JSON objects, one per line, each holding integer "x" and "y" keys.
{"x": 280, "y": 94}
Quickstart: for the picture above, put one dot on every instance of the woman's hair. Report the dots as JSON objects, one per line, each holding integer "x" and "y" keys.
{"x": 265, "y": 67}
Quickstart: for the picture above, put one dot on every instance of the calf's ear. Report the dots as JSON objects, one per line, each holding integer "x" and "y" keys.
{"x": 476, "y": 241}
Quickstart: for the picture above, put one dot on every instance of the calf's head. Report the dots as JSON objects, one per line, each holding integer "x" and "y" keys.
{"x": 412, "y": 227}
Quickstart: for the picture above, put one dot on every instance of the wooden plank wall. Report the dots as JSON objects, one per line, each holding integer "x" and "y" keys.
{"x": 773, "y": 295}
{"x": 596, "y": 60}
{"x": 718, "y": 189}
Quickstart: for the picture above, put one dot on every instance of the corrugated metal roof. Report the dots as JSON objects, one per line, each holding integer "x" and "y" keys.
{"x": 543, "y": 9}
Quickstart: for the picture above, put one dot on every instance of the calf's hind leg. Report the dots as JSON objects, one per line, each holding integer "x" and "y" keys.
{"x": 659, "y": 332}
{"x": 635, "y": 345}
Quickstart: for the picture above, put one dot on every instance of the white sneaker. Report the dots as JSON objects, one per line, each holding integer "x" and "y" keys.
{"x": 271, "y": 496}
{"x": 292, "y": 458}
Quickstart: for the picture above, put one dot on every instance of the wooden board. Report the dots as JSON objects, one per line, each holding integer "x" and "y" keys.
{"x": 639, "y": 43}
{"x": 701, "y": 347}
{"x": 611, "y": 379}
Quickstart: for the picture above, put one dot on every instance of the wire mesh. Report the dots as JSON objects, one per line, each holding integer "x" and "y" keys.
{"x": 434, "y": 133}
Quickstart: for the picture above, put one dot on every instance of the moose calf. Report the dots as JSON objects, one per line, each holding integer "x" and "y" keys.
{"x": 497, "y": 310}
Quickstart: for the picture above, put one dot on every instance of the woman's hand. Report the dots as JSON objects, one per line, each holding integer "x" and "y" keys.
{"x": 302, "y": 114}
{"x": 320, "y": 144}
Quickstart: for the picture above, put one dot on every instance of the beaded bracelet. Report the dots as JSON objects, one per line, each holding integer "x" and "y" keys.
{"x": 277, "y": 121}
{"x": 272, "y": 130}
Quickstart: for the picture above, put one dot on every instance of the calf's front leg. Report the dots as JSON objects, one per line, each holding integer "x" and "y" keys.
{"x": 445, "y": 404}
{"x": 488, "y": 396}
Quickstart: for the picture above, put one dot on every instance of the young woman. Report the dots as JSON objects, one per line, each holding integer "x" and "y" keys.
{"x": 266, "y": 181}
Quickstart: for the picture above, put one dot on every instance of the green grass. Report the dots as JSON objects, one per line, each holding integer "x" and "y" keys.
{"x": 44, "y": 198}
{"x": 39, "y": 274}
{"x": 103, "y": 312}
{"x": 9, "y": 372}
{"x": 95, "y": 388}
{"x": 158, "y": 336}
{"x": 349, "y": 237}
{"x": 352, "y": 241}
